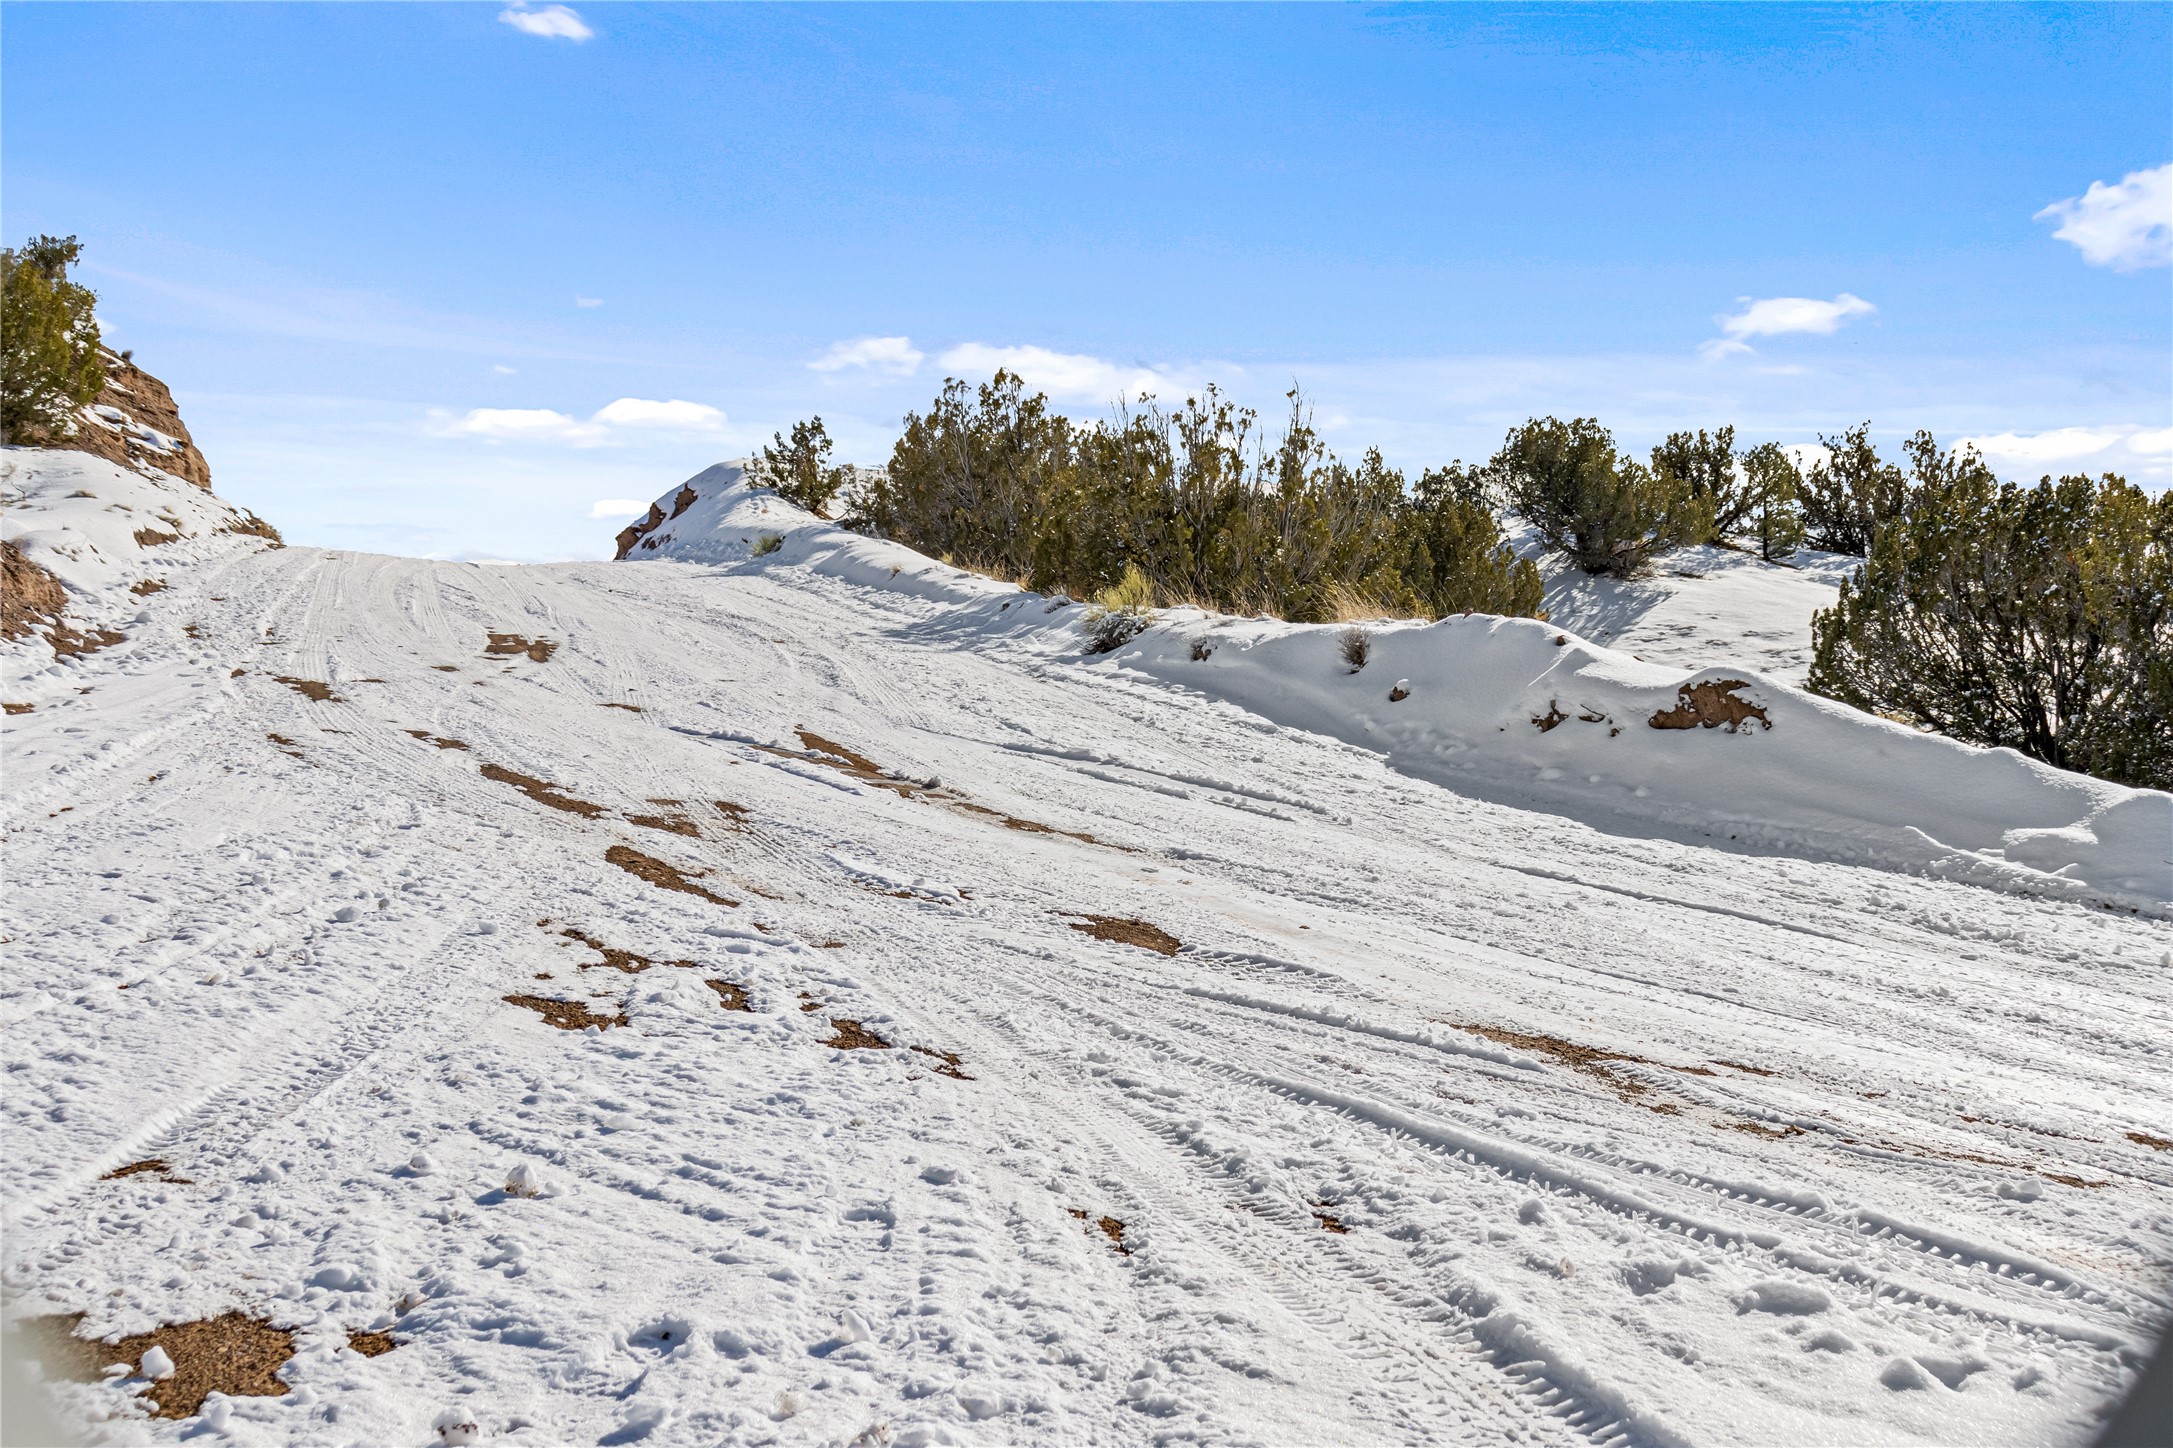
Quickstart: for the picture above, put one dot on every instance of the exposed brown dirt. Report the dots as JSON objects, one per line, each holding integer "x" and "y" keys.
{"x": 566, "y": 1015}
{"x": 17, "y": 708}
{"x": 1590, "y": 1060}
{"x": 948, "y": 1063}
{"x": 69, "y": 642}
{"x": 446, "y": 668}
{"x": 371, "y": 1344}
{"x": 1751, "y": 1070}
{"x": 851, "y": 762}
{"x": 659, "y": 874}
{"x": 1114, "y": 1231}
{"x": 152, "y": 538}
{"x": 149, "y": 1166}
{"x": 253, "y": 526}
{"x": 734, "y": 996}
{"x": 632, "y": 532}
{"x": 2155, "y": 1143}
{"x": 613, "y": 957}
{"x": 542, "y": 792}
{"x": 287, "y": 746}
{"x": 232, "y": 1354}
{"x": 1711, "y": 705}
{"x": 29, "y": 594}
{"x": 1398, "y": 694}
{"x": 145, "y": 399}
{"x": 2070, "y": 1181}
{"x": 629, "y": 708}
{"x": 670, "y": 824}
{"x": 686, "y": 499}
{"x": 1553, "y": 716}
{"x": 540, "y": 650}
{"x": 1759, "y": 1128}
{"x": 148, "y": 587}
{"x": 1330, "y": 1222}
{"x": 853, "y": 1036}
{"x": 439, "y": 740}
{"x": 1121, "y": 931}
{"x": 311, "y": 689}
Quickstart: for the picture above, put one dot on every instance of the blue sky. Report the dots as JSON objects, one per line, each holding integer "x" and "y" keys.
{"x": 444, "y": 278}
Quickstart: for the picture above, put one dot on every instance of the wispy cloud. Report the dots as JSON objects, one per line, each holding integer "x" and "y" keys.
{"x": 1060, "y": 374}
{"x": 588, "y": 301}
{"x": 894, "y": 355}
{"x": 1779, "y": 316}
{"x": 2115, "y": 447}
{"x": 617, "y": 508}
{"x": 552, "y": 22}
{"x": 608, "y": 424}
{"x": 2126, "y": 227}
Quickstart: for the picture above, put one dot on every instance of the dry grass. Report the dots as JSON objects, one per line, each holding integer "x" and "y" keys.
{"x": 566, "y": 1015}
{"x": 151, "y": 537}
{"x": 542, "y": 792}
{"x": 149, "y": 1166}
{"x": 232, "y": 1354}
{"x": 17, "y": 708}
{"x": 315, "y": 690}
{"x": 853, "y": 1036}
{"x": 539, "y": 650}
{"x": 948, "y": 1063}
{"x": 659, "y": 874}
{"x": 1121, "y": 931}
{"x": 371, "y": 1344}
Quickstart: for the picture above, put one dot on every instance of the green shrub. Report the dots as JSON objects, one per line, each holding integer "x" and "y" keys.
{"x": 1774, "y": 486}
{"x": 799, "y": 469}
{"x": 1455, "y": 559}
{"x": 1850, "y": 493}
{"x": 2037, "y": 618}
{"x": 1120, "y": 612}
{"x": 766, "y": 543}
{"x": 1608, "y": 513}
{"x": 49, "y": 361}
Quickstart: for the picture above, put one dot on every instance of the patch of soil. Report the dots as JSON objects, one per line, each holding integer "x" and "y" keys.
{"x": 2155, "y": 1143}
{"x": 670, "y": 824}
{"x": 69, "y": 642}
{"x": 1751, "y": 1070}
{"x": 232, "y": 1354}
{"x": 809, "y": 1003}
{"x": 1114, "y": 1231}
{"x": 853, "y": 1036}
{"x": 253, "y": 526}
{"x": 149, "y": 1166}
{"x": 542, "y": 792}
{"x": 1590, "y": 1060}
{"x": 143, "y": 399}
{"x": 148, "y": 587}
{"x": 311, "y": 689}
{"x": 629, "y": 708}
{"x": 1758, "y": 1128}
{"x": 29, "y": 594}
{"x": 371, "y": 1344}
{"x": 539, "y": 650}
{"x": 1711, "y": 705}
{"x": 287, "y": 746}
{"x": 948, "y": 1063}
{"x": 2070, "y": 1181}
{"x": 1547, "y": 721}
{"x": 441, "y": 742}
{"x": 17, "y": 708}
{"x": 446, "y": 668}
{"x": 685, "y": 500}
{"x": 659, "y": 874}
{"x": 1398, "y": 694}
{"x": 152, "y": 538}
{"x": 734, "y": 996}
{"x": 566, "y": 1015}
{"x": 615, "y": 958}
{"x": 632, "y": 533}
{"x": 1329, "y": 1222}
{"x": 1121, "y": 931}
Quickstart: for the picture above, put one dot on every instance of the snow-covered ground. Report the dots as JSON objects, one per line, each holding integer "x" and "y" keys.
{"x": 1509, "y": 1102}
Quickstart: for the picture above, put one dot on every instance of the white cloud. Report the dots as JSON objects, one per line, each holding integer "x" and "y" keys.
{"x": 676, "y": 415}
{"x": 552, "y": 22}
{"x": 502, "y": 370}
{"x": 525, "y": 424}
{"x": 895, "y": 355}
{"x": 607, "y": 425}
{"x": 2126, "y": 227}
{"x": 2061, "y": 444}
{"x": 1060, "y": 374}
{"x": 2120, "y": 447}
{"x": 2153, "y": 442}
{"x": 1778, "y": 316}
{"x": 617, "y": 508}
{"x": 588, "y": 301}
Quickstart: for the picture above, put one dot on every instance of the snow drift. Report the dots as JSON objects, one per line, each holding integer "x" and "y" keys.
{"x": 1494, "y": 705}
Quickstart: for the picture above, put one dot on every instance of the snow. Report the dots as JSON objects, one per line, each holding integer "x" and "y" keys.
{"x": 1635, "y": 1133}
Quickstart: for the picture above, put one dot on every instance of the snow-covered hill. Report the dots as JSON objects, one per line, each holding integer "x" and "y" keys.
{"x": 806, "y": 998}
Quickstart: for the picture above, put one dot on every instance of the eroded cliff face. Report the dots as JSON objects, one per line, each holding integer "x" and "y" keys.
{"x": 135, "y": 423}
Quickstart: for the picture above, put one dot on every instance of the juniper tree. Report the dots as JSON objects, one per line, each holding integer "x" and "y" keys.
{"x": 2036, "y": 618}
{"x": 49, "y": 353}
{"x": 1847, "y": 494}
{"x": 1608, "y": 513}
{"x": 800, "y": 469}
{"x": 1707, "y": 463}
{"x": 1774, "y": 486}
{"x": 1455, "y": 560}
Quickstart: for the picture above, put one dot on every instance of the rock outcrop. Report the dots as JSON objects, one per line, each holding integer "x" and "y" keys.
{"x": 135, "y": 423}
